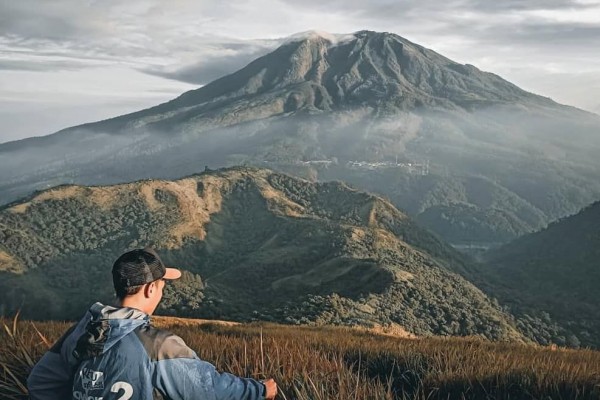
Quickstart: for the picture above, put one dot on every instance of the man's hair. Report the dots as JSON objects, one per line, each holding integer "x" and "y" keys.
{"x": 123, "y": 292}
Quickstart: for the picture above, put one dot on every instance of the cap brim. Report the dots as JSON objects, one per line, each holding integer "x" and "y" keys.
{"x": 172, "y": 273}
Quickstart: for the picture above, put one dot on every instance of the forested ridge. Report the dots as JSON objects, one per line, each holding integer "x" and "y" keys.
{"x": 255, "y": 245}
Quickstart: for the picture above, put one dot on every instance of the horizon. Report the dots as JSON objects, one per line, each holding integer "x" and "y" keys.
{"x": 64, "y": 63}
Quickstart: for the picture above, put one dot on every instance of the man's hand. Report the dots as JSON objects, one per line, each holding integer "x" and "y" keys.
{"x": 271, "y": 389}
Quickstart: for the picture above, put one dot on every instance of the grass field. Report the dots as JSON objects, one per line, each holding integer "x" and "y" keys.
{"x": 342, "y": 363}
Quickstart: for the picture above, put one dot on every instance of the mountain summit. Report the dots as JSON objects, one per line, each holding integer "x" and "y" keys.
{"x": 323, "y": 72}
{"x": 467, "y": 153}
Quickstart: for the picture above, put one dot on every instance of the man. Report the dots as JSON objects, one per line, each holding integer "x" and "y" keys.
{"x": 114, "y": 353}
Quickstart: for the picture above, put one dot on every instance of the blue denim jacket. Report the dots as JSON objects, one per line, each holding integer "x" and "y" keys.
{"x": 114, "y": 353}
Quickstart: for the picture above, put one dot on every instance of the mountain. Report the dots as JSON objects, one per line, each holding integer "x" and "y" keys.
{"x": 554, "y": 273}
{"x": 254, "y": 244}
{"x": 470, "y": 155}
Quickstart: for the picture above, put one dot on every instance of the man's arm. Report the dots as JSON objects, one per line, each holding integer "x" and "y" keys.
{"x": 184, "y": 376}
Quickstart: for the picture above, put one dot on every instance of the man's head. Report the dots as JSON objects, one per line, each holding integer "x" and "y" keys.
{"x": 138, "y": 278}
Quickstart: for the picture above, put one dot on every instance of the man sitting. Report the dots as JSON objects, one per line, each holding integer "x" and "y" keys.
{"x": 115, "y": 353}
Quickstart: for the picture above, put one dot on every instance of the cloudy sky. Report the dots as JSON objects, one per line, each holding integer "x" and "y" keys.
{"x": 66, "y": 62}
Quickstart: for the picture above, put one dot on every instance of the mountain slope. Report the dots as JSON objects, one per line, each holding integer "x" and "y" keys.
{"x": 254, "y": 244}
{"x": 317, "y": 103}
{"x": 556, "y": 271}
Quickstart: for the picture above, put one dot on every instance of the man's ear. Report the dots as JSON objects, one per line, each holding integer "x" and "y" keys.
{"x": 149, "y": 289}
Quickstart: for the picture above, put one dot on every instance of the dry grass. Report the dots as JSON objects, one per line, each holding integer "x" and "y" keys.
{"x": 341, "y": 363}
{"x": 9, "y": 264}
{"x": 19, "y": 350}
{"x": 278, "y": 201}
{"x": 194, "y": 211}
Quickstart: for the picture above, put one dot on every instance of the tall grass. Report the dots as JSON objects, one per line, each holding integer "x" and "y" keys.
{"x": 341, "y": 363}
{"x": 17, "y": 357}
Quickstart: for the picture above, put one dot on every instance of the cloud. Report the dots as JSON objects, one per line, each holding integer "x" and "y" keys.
{"x": 195, "y": 42}
{"x": 20, "y": 65}
{"x": 198, "y": 41}
{"x": 573, "y": 36}
{"x": 178, "y": 39}
{"x": 474, "y": 19}
{"x": 520, "y": 5}
{"x": 40, "y": 102}
{"x": 571, "y": 88}
{"x": 222, "y": 59}
{"x": 54, "y": 20}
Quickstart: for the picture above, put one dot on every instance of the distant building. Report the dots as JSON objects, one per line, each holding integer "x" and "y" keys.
{"x": 411, "y": 168}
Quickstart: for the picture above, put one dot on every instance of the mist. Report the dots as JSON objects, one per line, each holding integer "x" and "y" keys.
{"x": 513, "y": 169}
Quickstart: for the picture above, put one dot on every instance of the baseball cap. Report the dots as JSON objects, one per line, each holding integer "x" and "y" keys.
{"x": 140, "y": 266}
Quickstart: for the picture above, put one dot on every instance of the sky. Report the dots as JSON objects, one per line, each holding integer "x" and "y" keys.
{"x": 67, "y": 62}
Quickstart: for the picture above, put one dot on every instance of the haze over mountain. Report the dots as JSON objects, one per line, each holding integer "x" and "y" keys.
{"x": 254, "y": 244}
{"x": 472, "y": 156}
{"x": 555, "y": 271}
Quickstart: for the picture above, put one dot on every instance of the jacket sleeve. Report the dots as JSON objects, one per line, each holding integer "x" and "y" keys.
{"x": 181, "y": 375}
{"x": 51, "y": 377}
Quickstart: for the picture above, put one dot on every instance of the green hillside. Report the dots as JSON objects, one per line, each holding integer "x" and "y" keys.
{"x": 255, "y": 245}
{"x": 554, "y": 273}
